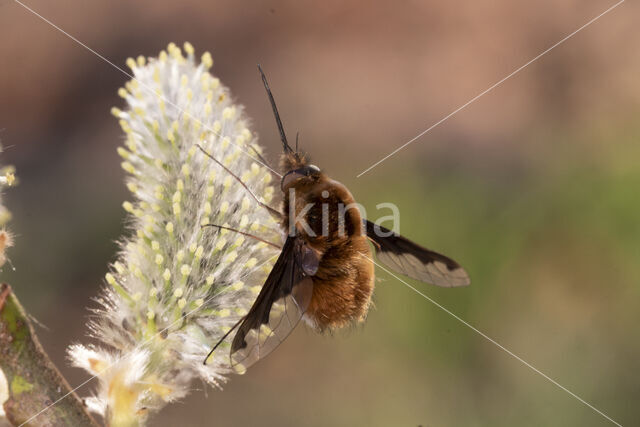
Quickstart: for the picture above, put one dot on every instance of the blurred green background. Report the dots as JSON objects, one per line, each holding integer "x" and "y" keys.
{"x": 533, "y": 188}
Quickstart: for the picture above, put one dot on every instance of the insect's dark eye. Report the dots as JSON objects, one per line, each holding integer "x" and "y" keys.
{"x": 308, "y": 170}
{"x": 295, "y": 174}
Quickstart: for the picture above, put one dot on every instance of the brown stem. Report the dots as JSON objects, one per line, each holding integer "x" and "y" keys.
{"x": 34, "y": 382}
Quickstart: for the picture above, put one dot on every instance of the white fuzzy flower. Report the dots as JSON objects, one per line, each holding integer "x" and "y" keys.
{"x": 7, "y": 179}
{"x": 176, "y": 287}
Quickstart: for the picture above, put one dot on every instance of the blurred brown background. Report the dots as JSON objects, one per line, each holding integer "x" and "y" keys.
{"x": 533, "y": 188}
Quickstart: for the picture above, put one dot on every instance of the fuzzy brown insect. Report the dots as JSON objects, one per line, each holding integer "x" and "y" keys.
{"x": 325, "y": 272}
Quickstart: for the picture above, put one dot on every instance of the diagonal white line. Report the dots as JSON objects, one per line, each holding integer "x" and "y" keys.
{"x": 498, "y": 83}
{"x": 497, "y": 344}
{"x": 139, "y": 345}
{"x": 146, "y": 87}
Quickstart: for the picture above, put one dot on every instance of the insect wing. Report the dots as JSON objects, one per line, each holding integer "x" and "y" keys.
{"x": 279, "y": 307}
{"x": 402, "y": 255}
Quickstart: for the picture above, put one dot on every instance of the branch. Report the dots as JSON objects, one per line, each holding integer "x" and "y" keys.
{"x": 34, "y": 382}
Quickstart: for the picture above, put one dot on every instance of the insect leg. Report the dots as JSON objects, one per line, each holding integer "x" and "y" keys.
{"x": 243, "y": 233}
{"x": 263, "y": 160}
{"x": 267, "y": 207}
{"x": 222, "y": 339}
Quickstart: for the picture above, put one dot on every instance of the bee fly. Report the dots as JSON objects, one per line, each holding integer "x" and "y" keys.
{"x": 325, "y": 271}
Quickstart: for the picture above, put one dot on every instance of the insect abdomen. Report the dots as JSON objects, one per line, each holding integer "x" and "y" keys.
{"x": 343, "y": 284}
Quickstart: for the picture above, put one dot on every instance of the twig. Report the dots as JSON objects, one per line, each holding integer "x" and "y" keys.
{"x": 34, "y": 382}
